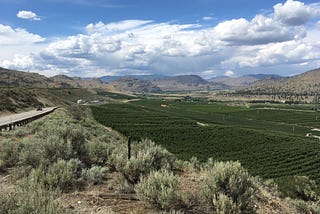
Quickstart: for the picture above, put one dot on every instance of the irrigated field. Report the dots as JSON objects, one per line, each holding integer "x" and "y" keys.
{"x": 269, "y": 142}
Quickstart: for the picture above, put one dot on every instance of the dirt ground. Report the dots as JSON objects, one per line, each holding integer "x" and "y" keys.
{"x": 100, "y": 199}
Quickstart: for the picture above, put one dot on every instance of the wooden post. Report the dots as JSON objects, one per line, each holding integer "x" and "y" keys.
{"x": 129, "y": 148}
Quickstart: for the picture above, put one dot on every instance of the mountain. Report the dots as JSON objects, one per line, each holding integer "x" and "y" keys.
{"x": 63, "y": 81}
{"x": 23, "y": 79}
{"x": 139, "y": 77}
{"x": 34, "y": 80}
{"x": 186, "y": 83}
{"x": 129, "y": 84}
{"x": 243, "y": 81}
{"x": 307, "y": 83}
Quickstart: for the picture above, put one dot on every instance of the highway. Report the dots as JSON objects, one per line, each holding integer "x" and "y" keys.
{"x": 10, "y": 121}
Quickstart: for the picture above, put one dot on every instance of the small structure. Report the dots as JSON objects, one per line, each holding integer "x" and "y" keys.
{"x": 164, "y": 105}
{"x": 79, "y": 102}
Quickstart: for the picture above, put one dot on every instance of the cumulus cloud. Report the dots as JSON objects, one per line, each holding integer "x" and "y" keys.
{"x": 28, "y": 15}
{"x": 17, "y": 36}
{"x": 259, "y": 30}
{"x": 229, "y": 73}
{"x": 144, "y": 46}
{"x": 295, "y": 13}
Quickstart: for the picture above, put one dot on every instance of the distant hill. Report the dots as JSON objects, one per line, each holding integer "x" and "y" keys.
{"x": 129, "y": 84}
{"x": 244, "y": 81}
{"x": 187, "y": 83}
{"x": 63, "y": 81}
{"x": 35, "y": 80}
{"x": 23, "y": 79}
{"x": 307, "y": 83}
{"x": 139, "y": 77}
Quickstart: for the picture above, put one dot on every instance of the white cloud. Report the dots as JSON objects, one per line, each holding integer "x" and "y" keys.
{"x": 144, "y": 46}
{"x": 18, "y": 36}
{"x": 295, "y": 13}
{"x": 208, "y": 18}
{"x": 260, "y": 30}
{"x": 28, "y": 15}
{"x": 229, "y": 73}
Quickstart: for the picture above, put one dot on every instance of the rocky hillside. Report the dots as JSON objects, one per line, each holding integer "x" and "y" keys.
{"x": 63, "y": 81}
{"x": 13, "y": 78}
{"x": 129, "y": 84}
{"x": 187, "y": 83}
{"x": 244, "y": 81}
{"x": 307, "y": 84}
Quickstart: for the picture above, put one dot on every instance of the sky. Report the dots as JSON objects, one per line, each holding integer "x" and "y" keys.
{"x": 93, "y": 38}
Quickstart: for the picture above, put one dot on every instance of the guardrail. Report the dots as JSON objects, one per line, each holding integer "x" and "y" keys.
{"x": 10, "y": 124}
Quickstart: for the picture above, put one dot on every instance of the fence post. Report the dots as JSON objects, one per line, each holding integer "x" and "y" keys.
{"x": 129, "y": 148}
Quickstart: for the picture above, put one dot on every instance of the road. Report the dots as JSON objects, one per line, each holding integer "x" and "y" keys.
{"x": 16, "y": 118}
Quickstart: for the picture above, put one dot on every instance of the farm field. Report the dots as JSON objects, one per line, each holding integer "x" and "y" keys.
{"x": 269, "y": 140}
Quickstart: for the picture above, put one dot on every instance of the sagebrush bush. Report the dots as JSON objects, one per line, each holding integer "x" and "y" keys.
{"x": 95, "y": 174}
{"x": 229, "y": 182}
{"x": 121, "y": 185}
{"x": 161, "y": 158}
{"x": 32, "y": 153}
{"x": 30, "y": 197}
{"x": 158, "y": 190}
{"x": 136, "y": 167}
{"x": 21, "y": 132}
{"x": 55, "y": 140}
{"x": 299, "y": 187}
{"x": 55, "y": 148}
{"x": 64, "y": 175}
{"x": 100, "y": 152}
{"x": 305, "y": 188}
{"x": 225, "y": 204}
{"x": 306, "y": 206}
{"x": 9, "y": 154}
{"x": 146, "y": 156}
{"x": 34, "y": 197}
{"x": 7, "y": 201}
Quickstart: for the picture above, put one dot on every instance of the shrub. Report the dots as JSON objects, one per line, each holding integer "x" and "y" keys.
{"x": 121, "y": 185}
{"x": 21, "y": 132}
{"x": 161, "y": 158}
{"x": 99, "y": 152}
{"x": 30, "y": 197}
{"x": 225, "y": 204}
{"x": 158, "y": 189}
{"x": 9, "y": 154}
{"x": 306, "y": 206}
{"x": 64, "y": 175}
{"x": 306, "y": 188}
{"x": 137, "y": 167}
{"x": 146, "y": 157}
{"x": 32, "y": 153}
{"x": 62, "y": 141}
{"x": 94, "y": 175}
{"x": 55, "y": 148}
{"x": 229, "y": 182}
{"x": 33, "y": 197}
{"x": 7, "y": 201}
{"x": 299, "y": 187}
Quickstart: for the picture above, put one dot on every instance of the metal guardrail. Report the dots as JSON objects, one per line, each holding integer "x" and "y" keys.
{"x": 22, "y": 119}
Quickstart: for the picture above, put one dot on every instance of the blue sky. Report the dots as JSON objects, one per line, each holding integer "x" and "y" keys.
{"x": 209, "y": 38}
